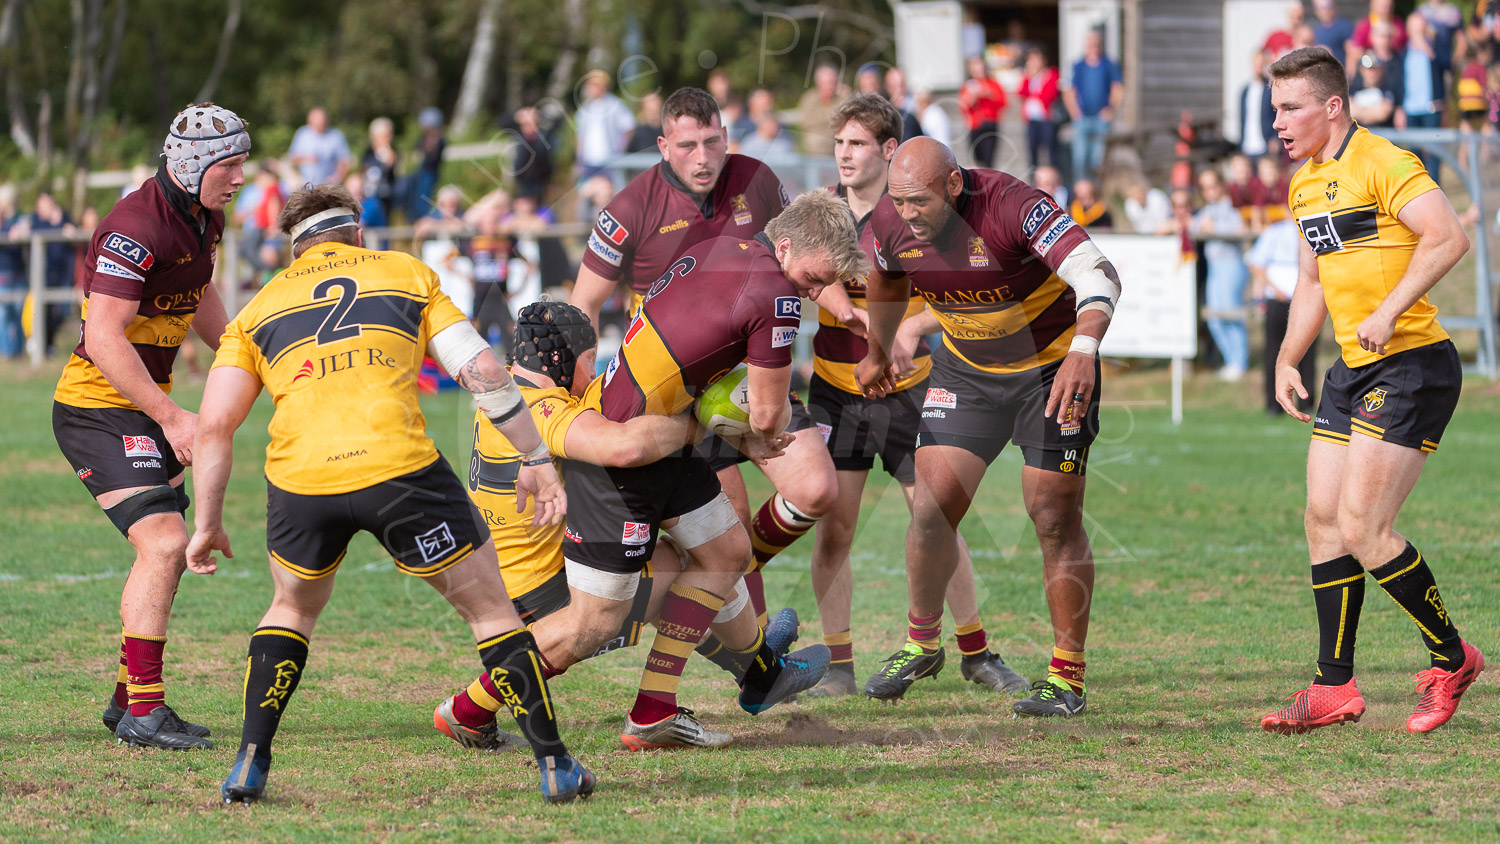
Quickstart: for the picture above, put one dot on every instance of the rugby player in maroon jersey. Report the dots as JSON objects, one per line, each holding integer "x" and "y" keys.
{"x": 674, "y": 349}
{"x": 866, "y": 129}
{"x": 1023, "y": 298}
{"x": 698, "y": 192}
{"x": 148, "y": 279}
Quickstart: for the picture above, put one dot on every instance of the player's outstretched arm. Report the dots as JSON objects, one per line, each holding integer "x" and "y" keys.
{"x": 835, "y": 300}
{"x": 886, "y": 299}
{"x": 1308, "y": 313}
{"x": 590, "y": 291}
{"x": 645, "y": 439}
{"x": 468, "y": 358}
{"x": 1441, "y": 245}
{"x": 227, "y": 399}
{"x": 104, "y": 334}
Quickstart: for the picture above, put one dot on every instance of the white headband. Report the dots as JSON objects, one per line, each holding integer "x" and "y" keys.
{"x": 333, "y": 218}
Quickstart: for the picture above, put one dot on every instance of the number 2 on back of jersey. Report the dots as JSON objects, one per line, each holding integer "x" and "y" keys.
{"x": 334, "y": 328}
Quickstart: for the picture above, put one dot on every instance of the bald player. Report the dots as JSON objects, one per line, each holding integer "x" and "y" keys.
{"x": 1023, "y": 297}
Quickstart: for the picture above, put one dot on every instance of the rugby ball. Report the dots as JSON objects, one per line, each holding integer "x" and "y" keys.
{"x": 724, "y": 408}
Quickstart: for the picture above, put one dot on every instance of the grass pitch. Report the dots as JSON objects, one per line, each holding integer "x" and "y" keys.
{"x": 1202, "y": 621}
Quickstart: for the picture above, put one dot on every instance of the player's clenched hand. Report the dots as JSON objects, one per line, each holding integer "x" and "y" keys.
{"x": 761, "y": 451}
{"x": 1072, "y": 388}
{"x": 542, "y": 483}
{"x": 874, "y": 376}
{"x": 1375, "y": 332}
{"x": 200, "y": 549}
{"x": 1288, "y": 389}
{"x": 180, "y": 430}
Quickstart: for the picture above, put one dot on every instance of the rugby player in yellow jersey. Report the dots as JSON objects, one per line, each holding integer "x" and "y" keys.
{"x": 1377, "y": 234}
{"x": 866, "y": 129}
{"x": 338, "y": 338}
{"x": 553, "y": 342}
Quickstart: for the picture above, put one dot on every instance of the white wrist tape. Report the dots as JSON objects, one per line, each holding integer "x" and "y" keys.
{"x": 1087, "y": 345}
{"x": 1094, "y": 290}
{"x": 502, "y": 405}
{"x": 456, "y": 345}
{"x": 536, "y": 454}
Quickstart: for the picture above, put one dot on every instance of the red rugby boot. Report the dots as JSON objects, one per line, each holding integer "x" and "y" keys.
{"x": 1441, "y": 689}
{"x": 1316, "y": 706}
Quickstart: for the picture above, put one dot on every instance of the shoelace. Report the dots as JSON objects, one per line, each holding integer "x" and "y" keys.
{"x": 1047, "y": 691}
{"x": 684, "y": 712}
{"x": 898, "y": 660}
{"x": 1427, "y": 683}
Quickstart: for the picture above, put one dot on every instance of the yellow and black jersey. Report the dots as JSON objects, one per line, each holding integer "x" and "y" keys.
{"x": 338, "y": 339}
{"x": 529, "y": 555}
{"x": 1346, "y": 209}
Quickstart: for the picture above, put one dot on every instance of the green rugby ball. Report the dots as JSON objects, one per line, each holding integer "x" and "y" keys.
{"x": 724, "y": 408}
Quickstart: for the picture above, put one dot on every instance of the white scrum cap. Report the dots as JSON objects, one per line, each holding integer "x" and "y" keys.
{"x": 199, "y": 137}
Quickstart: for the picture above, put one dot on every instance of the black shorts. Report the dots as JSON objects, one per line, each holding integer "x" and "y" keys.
{"x": 614, "y": 514}
{"x": 1404, "y": 398}
{"x": 856, "y": 428}
{"x": 980, "y": 412}
{"x": 553, "y": 595}
{"x": 112, "y": 448}
{"x": 721, "y": 455}
{"x": 424, "y": 519}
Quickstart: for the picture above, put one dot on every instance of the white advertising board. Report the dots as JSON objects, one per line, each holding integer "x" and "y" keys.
{"x": 1158, "y": 312}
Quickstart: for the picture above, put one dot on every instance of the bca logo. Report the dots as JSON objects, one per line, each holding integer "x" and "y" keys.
{"x": 437, "y": 543}
{"x": 611, "y": 228}
{"x": 1374, "y": 400}
{"x": 1041, "y": 212}
{"x": 788, "y": 306}
{"x": 140, "y": 446}
{"x": 636, "y": 533}
{"x": 128, "y": 249}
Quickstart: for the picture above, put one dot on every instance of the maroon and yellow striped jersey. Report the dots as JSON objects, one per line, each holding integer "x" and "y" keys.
{"x": 724, "y": 301}
{"x": 990, "y": 275}
{"x": 836, "y": 349}
{"x": 149, "y": 251}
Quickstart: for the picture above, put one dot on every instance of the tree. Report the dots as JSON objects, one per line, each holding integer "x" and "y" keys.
{"x": 473, "y": 92}
{"x": 221, "y": 57}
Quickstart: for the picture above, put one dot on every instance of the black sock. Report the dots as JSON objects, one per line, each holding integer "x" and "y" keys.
{"x": 719, "y": 654}
{"x": 514, "y": 667}
{"x": 1338, "y": 594}
{"x": 731, "y": 660}
{"x": 1409, "y": 582}
{"x": 762, "y": 667}
{"x": 277, "y": 659}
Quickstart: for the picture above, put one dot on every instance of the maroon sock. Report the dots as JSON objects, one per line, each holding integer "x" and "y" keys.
{"x": 757, "y": 586}
{"x": 971, "y": 639}
{"x": 143, "y": 658}
{"x": 925, "y": 631}
{"x": 122, "y": 695}
{"x": 686, "y": 614}
{"x": 775, "y": 526}
{"x": 476, "y": 706}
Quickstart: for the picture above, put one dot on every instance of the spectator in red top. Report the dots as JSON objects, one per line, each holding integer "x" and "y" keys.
{"x": 982, "y": 100}
{"x": 1281, "y": 42}
{"x": 1038, "y": 93}
{"x": 1361, "y": 43}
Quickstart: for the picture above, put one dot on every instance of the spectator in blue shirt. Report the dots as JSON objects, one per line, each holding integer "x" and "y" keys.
{"x": 1092, "y": 97}
{"x": 1332, "y": 30}
{"x": 320, "y": 151}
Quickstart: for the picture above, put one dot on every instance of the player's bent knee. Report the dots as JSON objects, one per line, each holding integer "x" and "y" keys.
{"x": 706, "y": 524}
{"x": 148, "y": 502}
